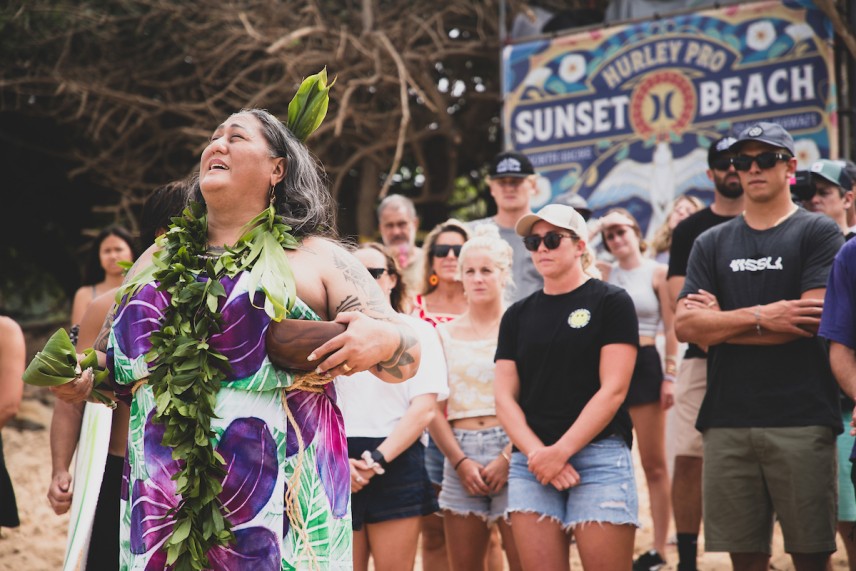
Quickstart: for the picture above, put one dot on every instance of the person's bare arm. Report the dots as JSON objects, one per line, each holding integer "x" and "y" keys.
{"x": 843, "y": 361}
{"x": 375, "y": 338}
{"x": 675, "y": 284}
{"x": 13, "y": 354}
{"x": 65, "y": 431}
{"x": 780, "y": 322}
{"x": 667, "y": 316}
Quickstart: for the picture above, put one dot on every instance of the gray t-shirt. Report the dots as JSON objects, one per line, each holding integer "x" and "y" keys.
{"x": 526, "y": 279}
{"x": 789, "y": 384}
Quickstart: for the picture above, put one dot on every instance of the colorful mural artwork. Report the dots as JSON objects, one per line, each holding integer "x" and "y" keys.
{"x": 623, "y": 115}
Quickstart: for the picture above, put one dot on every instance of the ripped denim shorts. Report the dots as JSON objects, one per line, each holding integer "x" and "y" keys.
{"x": 606, "y": 492}
{"x": 483, "y": 446}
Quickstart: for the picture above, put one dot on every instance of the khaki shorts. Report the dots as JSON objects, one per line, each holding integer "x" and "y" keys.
{"x": 752, "y": 475}
{"x": 689, "y": 392}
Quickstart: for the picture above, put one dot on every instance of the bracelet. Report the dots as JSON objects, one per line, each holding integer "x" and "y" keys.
{"x": 758, "y": 319}
{"x": 671, "y": 358}
{"x": 669, "y": 378}
{"x": 671, "y": 370}
{"x": 507, "y": 456}
{"x": 458, "y": 463}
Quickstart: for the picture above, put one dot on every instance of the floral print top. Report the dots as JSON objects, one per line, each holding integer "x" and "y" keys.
{"x": 255, "y": 438}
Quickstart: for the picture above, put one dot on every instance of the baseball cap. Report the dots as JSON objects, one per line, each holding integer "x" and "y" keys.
{"x": 511, "y": 164}
{"x": 718, "y": 147}
{"x": 833, "y": 171}
{"x": 575, "y": 201}
{"x": 766, "y": 132}
{"x": 559, "y": 215}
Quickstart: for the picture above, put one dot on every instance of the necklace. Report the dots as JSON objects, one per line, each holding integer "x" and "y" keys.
{"x": 185, "y": 373}
{"x": 491, "y": 327}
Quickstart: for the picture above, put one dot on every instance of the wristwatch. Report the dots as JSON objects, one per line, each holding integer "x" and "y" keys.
{"x": 377, "y": 456}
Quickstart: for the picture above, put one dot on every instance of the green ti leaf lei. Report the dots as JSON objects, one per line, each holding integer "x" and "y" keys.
{"x": 186, "y": 373}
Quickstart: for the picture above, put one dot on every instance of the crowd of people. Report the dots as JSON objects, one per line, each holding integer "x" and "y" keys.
{"x": 490, "y": 385}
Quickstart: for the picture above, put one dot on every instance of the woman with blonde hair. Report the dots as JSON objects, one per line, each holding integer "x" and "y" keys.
{"x": 440, "y": 300}
{"x": 682, "y": 207}
{"x": 564, "y": 359}
{"x": 474, "y": 495}
{"x": 651, "y": 392}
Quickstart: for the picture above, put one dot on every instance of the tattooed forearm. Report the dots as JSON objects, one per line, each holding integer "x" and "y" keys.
{"x": 103, "y": 335}
{"x": 350, "y": 303}
{"x": 402, "y": 356}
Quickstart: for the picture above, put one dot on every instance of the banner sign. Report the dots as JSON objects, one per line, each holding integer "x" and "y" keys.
{"x": 623, "y": 116}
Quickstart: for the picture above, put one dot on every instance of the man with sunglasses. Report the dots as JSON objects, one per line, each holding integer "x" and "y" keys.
{"x": 753, "y": 295}
{"x": 692, "y": 374}
{"x": 511, "y": 180}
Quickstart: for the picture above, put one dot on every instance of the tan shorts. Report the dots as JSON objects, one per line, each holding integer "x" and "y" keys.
{"x": 689, "y": 392}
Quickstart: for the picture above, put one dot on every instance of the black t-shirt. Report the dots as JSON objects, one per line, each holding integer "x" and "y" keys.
{"x": 683, "y": 237}
{"x": 555, "y": 341}
{"x": 789, "y": 384}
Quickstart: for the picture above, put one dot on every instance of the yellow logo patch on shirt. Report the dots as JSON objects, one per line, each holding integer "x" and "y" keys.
{"x": 579, "y": 318}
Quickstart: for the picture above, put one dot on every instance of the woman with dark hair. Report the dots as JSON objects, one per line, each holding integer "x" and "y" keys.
{"x": 390, "y": 489}
{"x": 112, "y": 245}
{"x": 161, "y": 205}
{"x": 651, "y": 391}
{"x": 234, "y": 462}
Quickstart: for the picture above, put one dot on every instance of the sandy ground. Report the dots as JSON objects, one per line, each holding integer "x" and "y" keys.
{"x": 39, "y": 543}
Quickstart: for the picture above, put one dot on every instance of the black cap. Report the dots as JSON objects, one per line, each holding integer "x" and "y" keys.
{"x": 717, "y": 148}
{"x": 765, "y": 132}
{"x": 511, "y": 164}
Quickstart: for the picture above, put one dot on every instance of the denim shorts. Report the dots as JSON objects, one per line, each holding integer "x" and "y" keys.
{"x": 434, "y": 463}
{"x": 483, "y": 446}
{"x": 606, "y": 492}
{"x": 402, "y": 492}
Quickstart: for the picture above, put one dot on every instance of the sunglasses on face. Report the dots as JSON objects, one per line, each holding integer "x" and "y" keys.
{"x": 441, "y": 251}
{"x": 551, "y": 240}
{"x": 722, "y": 163}
{"x": 617, "y": 233}
{"x": 376, "y": 273}
{"x": 764, "y": 161}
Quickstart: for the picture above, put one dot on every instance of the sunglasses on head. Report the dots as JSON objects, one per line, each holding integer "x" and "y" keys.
{"x": 442, "y": 250}
{"x": 764, "y": 160}
{"x": 376, "y": 273}
{"x": 551, "y": 240}
{"x": 722, "y": 163}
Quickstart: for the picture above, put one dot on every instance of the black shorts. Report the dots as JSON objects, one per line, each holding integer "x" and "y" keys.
{"x": 403, "y": 491}
{"x": 104, "y": 545}
{"x": 646, "y": 379}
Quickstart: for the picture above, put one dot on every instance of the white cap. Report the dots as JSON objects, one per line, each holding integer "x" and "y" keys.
{"x": 559, "y": 215}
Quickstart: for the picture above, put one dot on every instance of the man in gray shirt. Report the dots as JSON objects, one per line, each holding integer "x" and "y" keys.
{"x": 512, "y": 184}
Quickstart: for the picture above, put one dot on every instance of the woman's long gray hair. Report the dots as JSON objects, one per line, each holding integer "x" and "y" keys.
{"x": 301, "y": 197}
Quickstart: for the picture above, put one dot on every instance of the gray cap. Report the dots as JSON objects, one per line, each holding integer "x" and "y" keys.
{"x": 765, "y": 132}
{"x": 832, "y": 171}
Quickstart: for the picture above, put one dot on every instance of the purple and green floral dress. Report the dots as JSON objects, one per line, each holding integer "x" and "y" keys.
{"x": 253, "y": 436}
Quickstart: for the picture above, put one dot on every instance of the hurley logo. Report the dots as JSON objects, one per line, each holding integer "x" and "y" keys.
{"x": 508, "y": 165}
{"x": 755, "y": 131}
{"x": 756, "y": 264}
